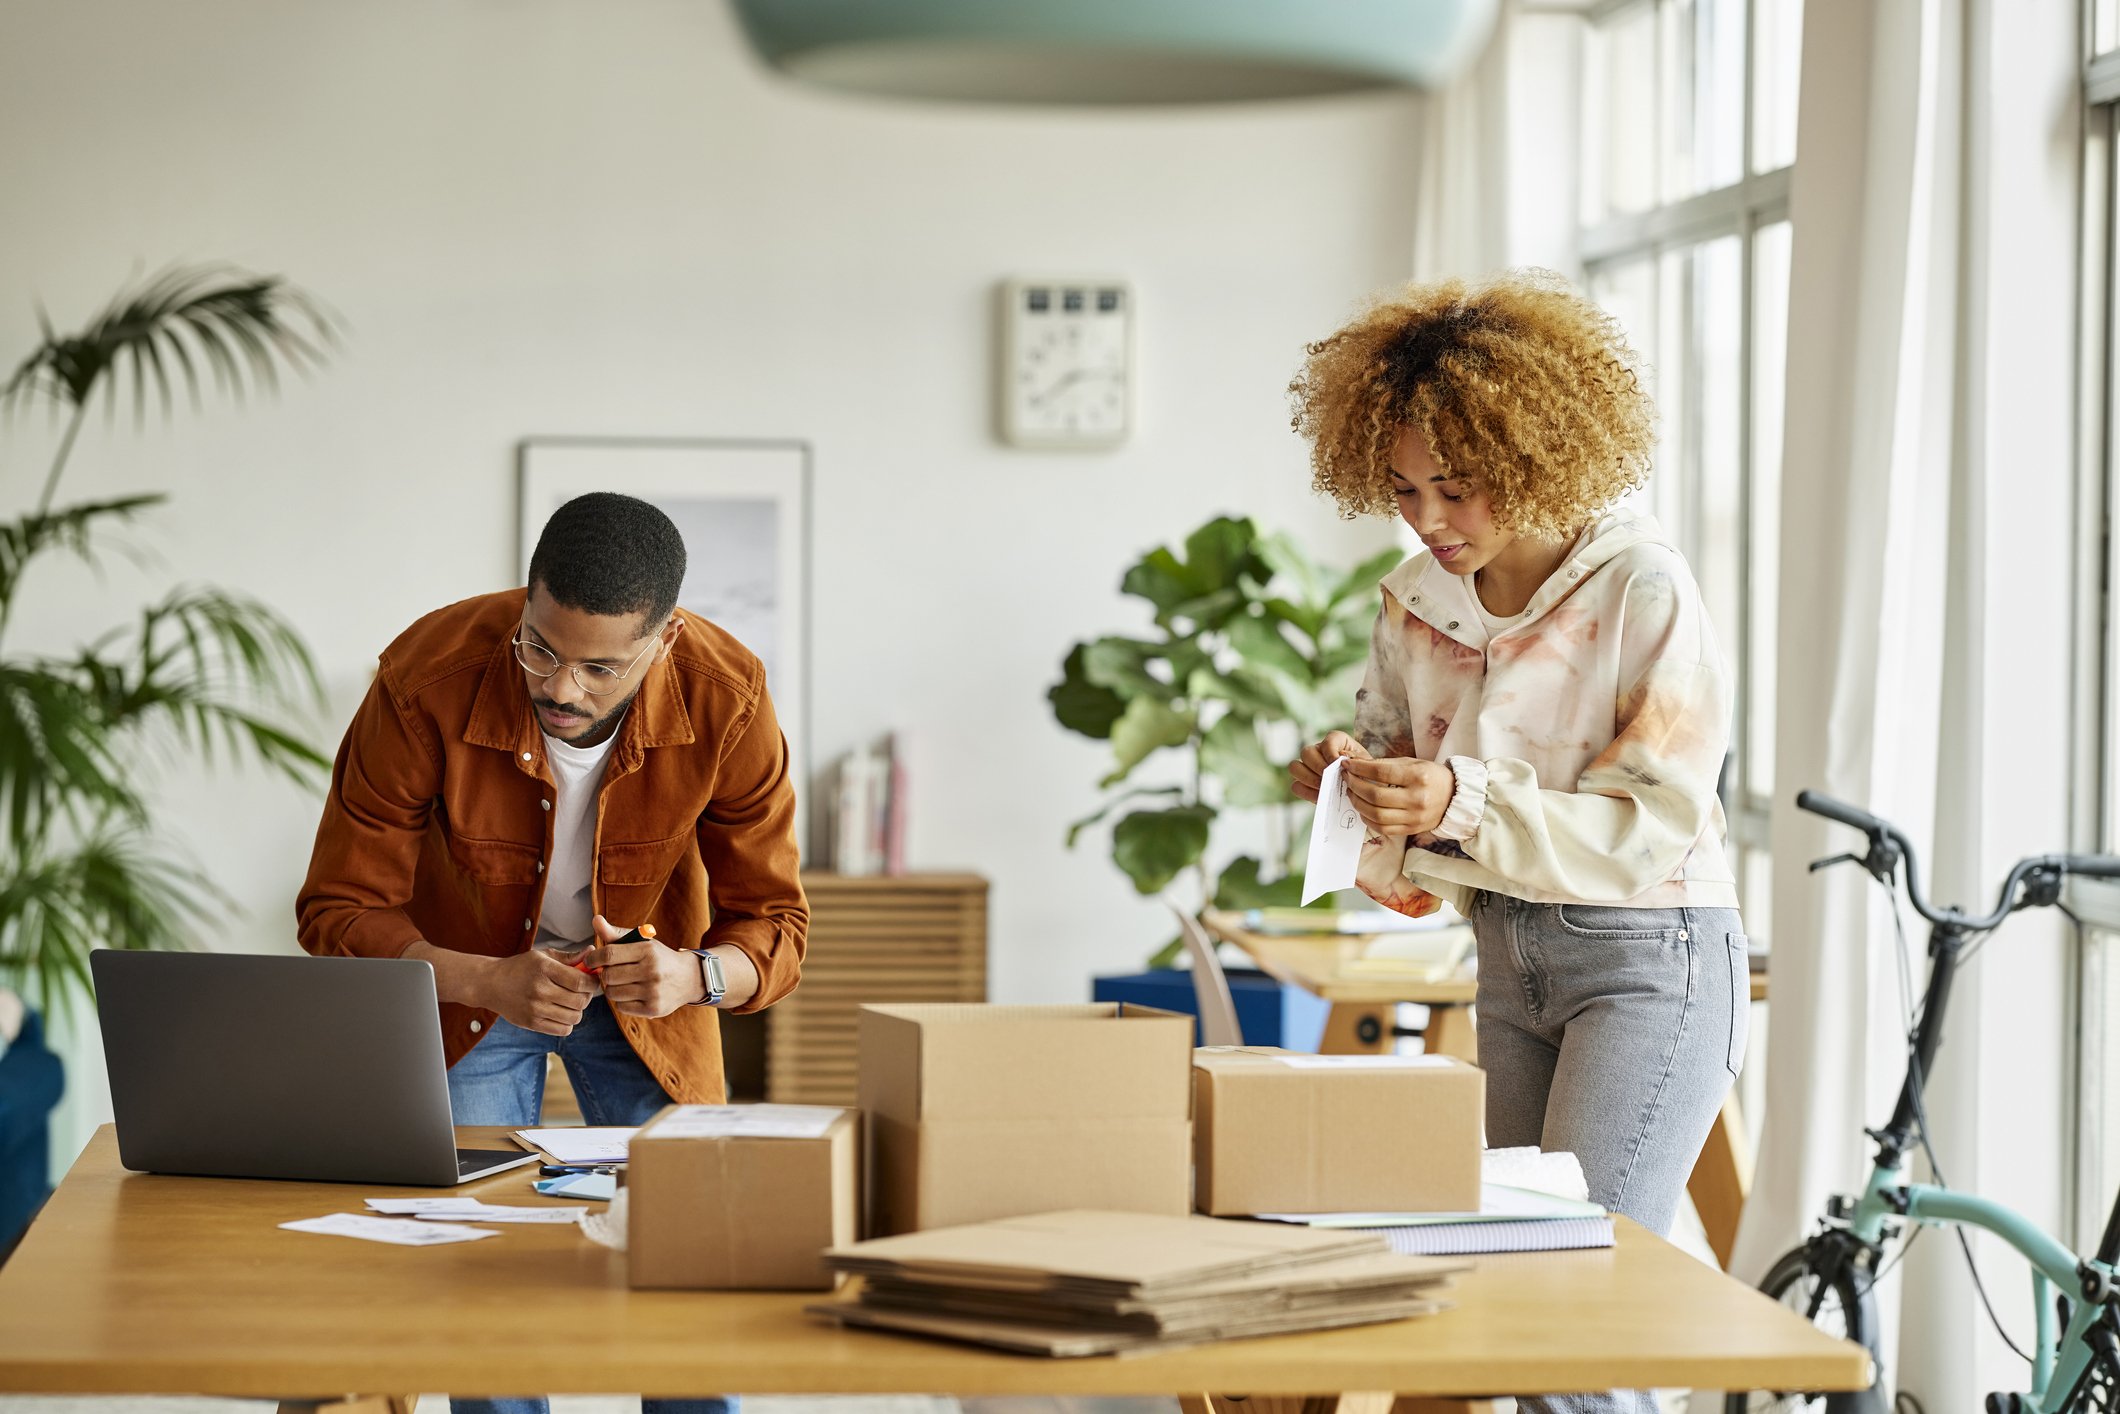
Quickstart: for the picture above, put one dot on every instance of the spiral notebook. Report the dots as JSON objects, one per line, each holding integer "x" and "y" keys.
{"x": 1468, "y": 1239}
{"x": 1510, "y": 1219}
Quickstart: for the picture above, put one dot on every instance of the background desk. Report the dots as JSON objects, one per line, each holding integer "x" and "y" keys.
{"x": 1364, "y": 1007}
{"x": 133, "y": 1283}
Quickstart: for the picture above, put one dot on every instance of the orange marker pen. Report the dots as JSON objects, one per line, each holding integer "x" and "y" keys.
{"x": 643, "y": 934}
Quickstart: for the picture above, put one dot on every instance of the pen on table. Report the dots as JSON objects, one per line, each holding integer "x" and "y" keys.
{"x": 555, "y": 1169}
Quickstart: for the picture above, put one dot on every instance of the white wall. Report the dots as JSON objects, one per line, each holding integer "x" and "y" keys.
{"x": 546, "y": 217}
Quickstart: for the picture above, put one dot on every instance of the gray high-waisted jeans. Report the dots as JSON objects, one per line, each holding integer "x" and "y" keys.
{"x": 1612, "y": 1033}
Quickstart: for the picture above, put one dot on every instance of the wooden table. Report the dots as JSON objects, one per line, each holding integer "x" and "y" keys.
{"x": 1363, "y": 1013}
{"x": 134, "y": 1283}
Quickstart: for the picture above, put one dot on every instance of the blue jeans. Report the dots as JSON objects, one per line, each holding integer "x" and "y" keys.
{"x": 502, "y": 1081}
{"x": 1613, "y": 1034}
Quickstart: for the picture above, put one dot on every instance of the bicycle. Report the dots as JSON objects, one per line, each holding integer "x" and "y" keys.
{"x": 1832, "y": 1276}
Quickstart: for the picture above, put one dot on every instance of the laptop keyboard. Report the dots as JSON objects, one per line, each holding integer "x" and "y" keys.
{"x": 471, "y": 1160}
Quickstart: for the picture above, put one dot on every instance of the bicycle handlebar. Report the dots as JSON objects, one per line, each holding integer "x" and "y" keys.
{"x": 1888, "y": 846}
{"x": 1846, "y": 814}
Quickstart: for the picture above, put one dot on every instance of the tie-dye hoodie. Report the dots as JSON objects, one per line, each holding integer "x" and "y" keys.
{"x": 1586, "y": 736}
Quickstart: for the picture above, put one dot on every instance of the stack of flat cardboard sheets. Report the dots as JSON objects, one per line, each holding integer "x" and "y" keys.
{"x": 1103, "y": 1283}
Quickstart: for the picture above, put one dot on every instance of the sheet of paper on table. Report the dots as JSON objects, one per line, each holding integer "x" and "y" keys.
{"x": 592, "y": 1145}
{"x": 402, "y": 1232}
{"x": 471, "y": 1210}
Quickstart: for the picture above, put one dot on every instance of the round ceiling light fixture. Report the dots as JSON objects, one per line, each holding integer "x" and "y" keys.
{"x": 1117, "y": 51}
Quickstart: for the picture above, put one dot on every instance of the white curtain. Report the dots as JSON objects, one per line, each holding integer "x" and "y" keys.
{"x": 1909, "y": 330}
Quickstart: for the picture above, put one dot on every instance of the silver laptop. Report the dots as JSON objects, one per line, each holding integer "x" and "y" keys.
{"x": 242, "y": 1066}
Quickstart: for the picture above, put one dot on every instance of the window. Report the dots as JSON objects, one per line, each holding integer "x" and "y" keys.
{"x": 1689, "y": 133}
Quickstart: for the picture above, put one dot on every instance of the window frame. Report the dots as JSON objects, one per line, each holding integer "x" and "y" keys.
{"x": 1740, "y": 209}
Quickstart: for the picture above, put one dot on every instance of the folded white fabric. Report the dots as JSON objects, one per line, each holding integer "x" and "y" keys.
{"x": 1560, "y": 1174}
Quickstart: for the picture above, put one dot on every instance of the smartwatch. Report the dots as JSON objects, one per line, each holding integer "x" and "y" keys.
{"x": 711, "y": 979}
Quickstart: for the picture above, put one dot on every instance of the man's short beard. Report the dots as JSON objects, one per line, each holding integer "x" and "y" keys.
{"x": 598, "y": 728}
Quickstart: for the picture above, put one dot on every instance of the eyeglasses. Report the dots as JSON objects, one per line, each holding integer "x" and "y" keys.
{"x": 592, "y": 678}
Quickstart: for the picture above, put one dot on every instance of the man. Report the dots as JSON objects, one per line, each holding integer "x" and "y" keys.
{"x": 534, "y": 774}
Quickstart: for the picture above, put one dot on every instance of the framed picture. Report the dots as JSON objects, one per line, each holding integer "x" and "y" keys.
{"x": 744, "y": 510}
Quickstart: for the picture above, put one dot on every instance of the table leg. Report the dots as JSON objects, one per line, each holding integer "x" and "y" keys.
{"x": 1722, "y": 1176}
{"x": 1450, "y": 1033}
{"x": 1363, "y": 1403}
{"x": 352, "y": 1404}
{"x": 1358, "y": 1029}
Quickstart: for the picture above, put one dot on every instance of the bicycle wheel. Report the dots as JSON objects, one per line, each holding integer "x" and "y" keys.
{"x": 1837, "y": 1304}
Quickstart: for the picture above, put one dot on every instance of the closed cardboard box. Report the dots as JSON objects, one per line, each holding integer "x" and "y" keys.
{"x": 1279, "y": 1132}
{"x": 741, "y": 1197}
{"x": 980, "y": 1112}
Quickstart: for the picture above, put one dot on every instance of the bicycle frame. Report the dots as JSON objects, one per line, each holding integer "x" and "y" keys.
{"x": 2059, "y": 1360}
{"x": 2057, "y": 1364}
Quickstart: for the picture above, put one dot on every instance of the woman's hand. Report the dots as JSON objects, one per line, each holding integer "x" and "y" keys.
{"x": 1306, "y": 770}
{"x": 1398, "y": 795}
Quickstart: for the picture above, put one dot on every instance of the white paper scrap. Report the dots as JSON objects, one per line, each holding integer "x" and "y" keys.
{"x": 748, "y": 1121}
{"x": 404, "y": 1232}
{"x": 498, "y": 1213}
{"x": 591, "y": 1145}
{"x": 1336, "y": 835}
{"x": 1422, "y": 1062}
{"x": 416, "y": 1207}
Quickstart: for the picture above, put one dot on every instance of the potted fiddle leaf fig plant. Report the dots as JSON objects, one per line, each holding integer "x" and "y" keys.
{"x": 1254, "y": 648}
{"x": 201, "y": 669}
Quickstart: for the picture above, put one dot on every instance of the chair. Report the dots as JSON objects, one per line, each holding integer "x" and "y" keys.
{"x": 1218, "y": 1013}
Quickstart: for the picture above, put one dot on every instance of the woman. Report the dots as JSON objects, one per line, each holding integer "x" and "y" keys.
{"x": 1544, "y": 718}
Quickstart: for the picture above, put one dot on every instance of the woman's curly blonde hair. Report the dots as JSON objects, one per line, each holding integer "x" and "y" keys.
{"x": 1524, "y": 389}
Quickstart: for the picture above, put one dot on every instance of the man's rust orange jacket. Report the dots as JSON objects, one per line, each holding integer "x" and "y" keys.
{"x": 439, "y": 822}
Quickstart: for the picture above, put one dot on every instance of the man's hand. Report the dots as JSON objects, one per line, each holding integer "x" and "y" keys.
{"x": 1399, "y": 795}
{"x": 1305, "y": 771}
{"x": 536, "y": 991}
{"x": 643, "y": 979}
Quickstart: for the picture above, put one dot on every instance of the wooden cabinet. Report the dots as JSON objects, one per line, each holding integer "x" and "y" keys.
{"x": 909, "y": 938}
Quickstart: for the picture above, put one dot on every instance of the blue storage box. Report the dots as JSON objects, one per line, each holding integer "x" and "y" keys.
{"x": 1269, "y": 1013}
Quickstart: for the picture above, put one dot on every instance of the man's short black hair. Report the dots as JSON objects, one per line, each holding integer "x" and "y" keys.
{"x": 604, "y": 553}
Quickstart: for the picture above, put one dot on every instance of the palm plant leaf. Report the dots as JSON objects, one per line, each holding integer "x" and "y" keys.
{"x": 241, "y": 326}
{"x": 70, "y": 529}
{"x": 57, "y": 755}
{"x": 192, "y": 664}
{"x": 114, "y": 889}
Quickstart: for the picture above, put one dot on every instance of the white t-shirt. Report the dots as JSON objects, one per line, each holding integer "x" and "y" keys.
{"x": 1496, "y": 623}
{"x": 577, "y": 777}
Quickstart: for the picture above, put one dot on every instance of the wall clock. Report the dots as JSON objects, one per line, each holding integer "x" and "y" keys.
{"x": 1067, "y": 366}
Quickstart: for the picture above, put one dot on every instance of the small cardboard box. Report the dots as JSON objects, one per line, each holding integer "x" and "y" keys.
{"x": 741, "y": 1197}
{"x": 979, "y": 1112}
{"x": 1279, "y": 1132}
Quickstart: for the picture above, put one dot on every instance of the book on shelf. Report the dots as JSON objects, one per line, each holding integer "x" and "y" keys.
{"x": 866, "y": 811}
